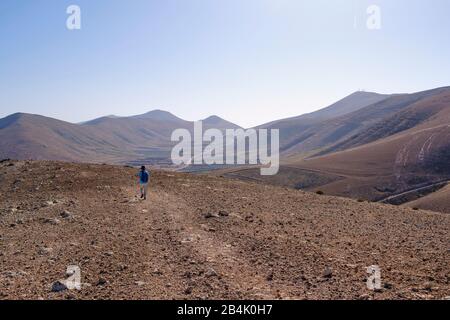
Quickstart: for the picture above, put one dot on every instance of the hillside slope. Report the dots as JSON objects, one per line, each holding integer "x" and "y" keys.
{"x": 206, "y": 237}
{"x": 143, "y": 138}
{"x": 334, "y": 134}
{"x": 296, "y": 132}
{"x": 438, "y": 201}
{"x": 404, "y": 145}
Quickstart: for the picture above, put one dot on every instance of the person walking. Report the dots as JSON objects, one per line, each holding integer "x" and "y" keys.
{"x": 144, "y": 176}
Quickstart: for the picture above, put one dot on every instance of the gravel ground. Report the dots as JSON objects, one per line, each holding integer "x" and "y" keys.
{"x": 200, "y": 237}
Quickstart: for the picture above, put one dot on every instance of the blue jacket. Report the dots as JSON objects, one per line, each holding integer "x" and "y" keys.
{"x": 144, "y": 176}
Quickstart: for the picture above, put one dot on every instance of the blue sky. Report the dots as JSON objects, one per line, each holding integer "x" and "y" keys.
{"x": 249, "y": 61}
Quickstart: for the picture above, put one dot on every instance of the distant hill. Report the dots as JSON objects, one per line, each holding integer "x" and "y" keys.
{"x": 367, "y": 145}
{"x": 409, "y": 149}
{"x": 159, "y": 115}
{"x": 311, "y": 131}
{"x": 136, "y": 139}
{"x": 397, "y": 145}
{"x": 219, "y": 123}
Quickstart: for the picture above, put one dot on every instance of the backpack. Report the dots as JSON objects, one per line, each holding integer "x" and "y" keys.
{"x": 144, "y": 176}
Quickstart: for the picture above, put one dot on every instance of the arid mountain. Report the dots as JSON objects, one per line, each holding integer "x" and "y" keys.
{"x": 410, "y": 150}
{"x": 396, "y": 149}
{"x": 203, "y": 237}
{"x": 330, "y": 135}
{"x": 391, "y": 116}
{"x": 218, "y": 123}
{"x": 369, "y": 146}
{"x": 295, "y": 132}
{"x": 143, "y": 138}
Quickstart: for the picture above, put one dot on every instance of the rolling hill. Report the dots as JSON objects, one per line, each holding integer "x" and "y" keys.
{"x": 142, "y": 138}
{"x": 438, "y": 201}
{"x": 367, "y": 145}
{"x": 410, "y": 149}
{"x": 296, "y": 133}
{"x": 394, "y": 146}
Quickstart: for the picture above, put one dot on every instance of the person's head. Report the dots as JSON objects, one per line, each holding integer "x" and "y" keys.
{"x": 143, "y": 168}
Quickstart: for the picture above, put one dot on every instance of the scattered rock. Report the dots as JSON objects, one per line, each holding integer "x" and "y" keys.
{"x": 223, "y": 213}
{"x": 188, "y": 290}
{"x": 45, "y": 251}
{"x": 58, "y": 286}
{"x": 364, "y": 297}
{"x": 52, "y": 221}
{"x": 269, "y": 277}
{"x": 210, "y": 273}
{"x": 139, "y": 283}
{"x": 158, "y": 272}
{"x": 210, "y": 215}
{"x": 122, "y": 267}
{"x": 101, "y": 282}
{"x": 327, "y": 273}
{"x": 388, "y": 286}
{"x": 66, "y": 214}
{"x": 428, "y": 286}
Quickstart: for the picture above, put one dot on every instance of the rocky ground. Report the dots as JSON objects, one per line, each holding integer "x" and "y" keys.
{"x": 200, "y": 237}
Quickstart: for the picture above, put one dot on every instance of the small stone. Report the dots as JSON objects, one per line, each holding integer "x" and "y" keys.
{"x": 269, "y": 277}
{"x": 52, "y": 221}
{"x": 140, "y": 283}
{"x": 428, "y": 286}
{"x": 328, "y": 273}
{"x": 388, "y": 286}
{"x": 223, "y": 213}
{"x": 211, "y": 273}
{"x": 122, "y": 267}
{"x": 66, "y": 214}
{"x": 58, "y": 286}
{"x": 45, "y": 251}
{"x": 101, "y": 282}
{"x": 188, "y": 290}
{"x": 364, "y": 297}
{"x": 158, "y": 272}
{"x": 210, "y": 215}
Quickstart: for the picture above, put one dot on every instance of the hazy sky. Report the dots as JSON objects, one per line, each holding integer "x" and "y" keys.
{"x": 249, "y": 61}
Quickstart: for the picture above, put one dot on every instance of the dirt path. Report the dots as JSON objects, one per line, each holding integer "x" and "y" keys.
{"x": 214, "y": 266}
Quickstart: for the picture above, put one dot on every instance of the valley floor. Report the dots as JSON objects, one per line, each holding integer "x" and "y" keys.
{"x": 202, "y": 237}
